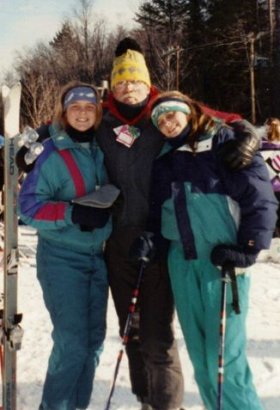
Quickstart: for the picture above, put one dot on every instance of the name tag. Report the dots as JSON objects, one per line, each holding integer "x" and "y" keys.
{"x": 126, "y": 134}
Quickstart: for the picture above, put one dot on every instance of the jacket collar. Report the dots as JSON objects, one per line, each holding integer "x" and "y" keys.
{"x": 111, "y": 106}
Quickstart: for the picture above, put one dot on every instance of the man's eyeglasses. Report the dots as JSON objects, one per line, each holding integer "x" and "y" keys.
{"x": 124, "y": 84}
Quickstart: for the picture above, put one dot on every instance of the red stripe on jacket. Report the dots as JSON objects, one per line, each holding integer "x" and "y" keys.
{"x": 74, "y": 172}
{"x": 51, "y": 212}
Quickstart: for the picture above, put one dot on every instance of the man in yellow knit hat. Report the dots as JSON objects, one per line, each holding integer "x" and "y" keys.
{"x": 130, "y": 143}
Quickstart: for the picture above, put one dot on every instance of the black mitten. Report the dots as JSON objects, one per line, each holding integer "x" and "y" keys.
{"x": 20, "y": 161}
{"x": 238, "y": 153}
{"x": 238, "y": 256}
{"x": 89, "y": 217}
{"x": 143, "y": 248}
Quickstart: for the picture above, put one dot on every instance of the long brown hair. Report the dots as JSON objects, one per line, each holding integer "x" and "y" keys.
{"x": 199, "y": 121}
{"x": 60, "y": 117}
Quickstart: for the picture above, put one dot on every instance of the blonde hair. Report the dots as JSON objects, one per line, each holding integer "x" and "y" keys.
{"x": 273, "y": 126}
{"x": 199, "y": 121}
{"x": 59, "y": 116}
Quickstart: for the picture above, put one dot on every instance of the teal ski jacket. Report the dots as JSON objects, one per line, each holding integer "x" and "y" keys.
{"x": 64, "y": 171}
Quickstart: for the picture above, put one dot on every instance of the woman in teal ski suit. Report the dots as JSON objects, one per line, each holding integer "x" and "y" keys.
{"x": 70, "y": 265}
{"x": 210, "y": 215}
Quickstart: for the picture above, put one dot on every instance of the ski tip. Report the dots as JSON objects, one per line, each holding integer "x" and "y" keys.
{"x": 6, "y": 90}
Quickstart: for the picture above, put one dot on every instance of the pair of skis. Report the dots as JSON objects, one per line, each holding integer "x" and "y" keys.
{"x": 11, "y": 332}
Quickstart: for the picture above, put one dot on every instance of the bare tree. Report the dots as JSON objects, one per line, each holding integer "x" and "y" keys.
{"x": 40, "y": 87}
{"x": 38, "y": 100}
{"x": 83, "y": 22}
{"x": 82, "y": 49}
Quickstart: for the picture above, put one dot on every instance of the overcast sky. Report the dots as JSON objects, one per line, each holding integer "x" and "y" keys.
{"x": 23, "y": 23}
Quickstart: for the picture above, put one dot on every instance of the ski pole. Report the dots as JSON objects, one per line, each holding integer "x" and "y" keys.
{"x": 222, "y": 334}
{"x": 222, "y": 338}
{"x": 228, "y": 276}
{"x": 131, "y": 310}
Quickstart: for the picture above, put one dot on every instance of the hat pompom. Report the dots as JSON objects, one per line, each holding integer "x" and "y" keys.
{"x": 127, "y": 43}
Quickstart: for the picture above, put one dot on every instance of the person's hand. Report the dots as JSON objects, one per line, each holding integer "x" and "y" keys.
{"x": 30, "y": 146}
{"x": 238, "y": 256}
{"x": 89, "y": 217}
{"x": 20, "y": 160}
{"x": 143, "y": 248}
{"x": 238, "y": 153}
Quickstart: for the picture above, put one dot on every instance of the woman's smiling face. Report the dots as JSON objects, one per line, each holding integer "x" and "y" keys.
{"x": 81, "y": 115}
{"x": 172, "y": 123}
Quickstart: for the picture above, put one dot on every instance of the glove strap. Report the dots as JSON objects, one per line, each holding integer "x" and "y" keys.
{"x": 229, "y": 272}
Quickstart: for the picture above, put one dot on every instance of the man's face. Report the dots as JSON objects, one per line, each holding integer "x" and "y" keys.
{"x": 131, "y": 92}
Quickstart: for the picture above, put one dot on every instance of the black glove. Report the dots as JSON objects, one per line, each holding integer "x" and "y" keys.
{"x": 143, "y": 248}
{"x": 239, "y": 256}
{"x": 20, "y": 161}
{"x": 238, "y": 153}
{"x": 89, "y": 217}
{"x": 44, "y": 133}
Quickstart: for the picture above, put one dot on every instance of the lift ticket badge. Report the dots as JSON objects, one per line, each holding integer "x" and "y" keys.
{"x": 126, "y": 134}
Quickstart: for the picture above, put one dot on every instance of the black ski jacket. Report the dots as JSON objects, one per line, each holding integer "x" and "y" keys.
{"x": 129, "y": 168}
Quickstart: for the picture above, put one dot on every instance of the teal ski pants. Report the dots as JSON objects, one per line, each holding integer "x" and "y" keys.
{"x": 196, "y": 286}
{"x": 75, "y": 291}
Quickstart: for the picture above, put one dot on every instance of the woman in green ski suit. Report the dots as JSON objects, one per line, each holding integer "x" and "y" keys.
{"x": 211, "y": 215}
{"x": 70, "y": 264}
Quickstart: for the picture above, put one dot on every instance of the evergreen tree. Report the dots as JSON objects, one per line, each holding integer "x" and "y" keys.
{"x": 163, "y": 23}
{"x": 210, "y": 40}
{"x": 66, "y": 53}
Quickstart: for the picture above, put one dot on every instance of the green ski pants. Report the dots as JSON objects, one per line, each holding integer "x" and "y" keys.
{"x": 196, "y": 286}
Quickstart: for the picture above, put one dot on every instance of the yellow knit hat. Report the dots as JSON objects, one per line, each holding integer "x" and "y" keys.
{"x": 130, "y": 66}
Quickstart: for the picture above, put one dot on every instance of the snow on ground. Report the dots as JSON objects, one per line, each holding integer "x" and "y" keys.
{"x": 263, "y": 340}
